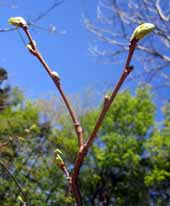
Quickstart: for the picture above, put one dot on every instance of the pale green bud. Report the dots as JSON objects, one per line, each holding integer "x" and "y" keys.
{"x": 57, "y": 151}
{"x": 17, "y": 21}
{"x": 20, "y": 199}
{"x": 59, "y": 161}
{"x": 142, "y": 30}
{"x": 27, "y": 130}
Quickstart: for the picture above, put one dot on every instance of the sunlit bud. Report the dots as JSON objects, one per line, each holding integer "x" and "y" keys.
{"x": 57, "y": 151}
{"x": 55, "y": 75}
{"x": 17, "y": 21}
{"x": 59, "y": 161}
{"x": 27, "y": 130}
{"x": 20, "y": 199}
{"x": 30, "y": 48}
{"x": 142, "y": 30}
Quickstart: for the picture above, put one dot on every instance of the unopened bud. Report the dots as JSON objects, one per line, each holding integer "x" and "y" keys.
{"x": 59, "y": 161}
{"x": 17, "y": 21}
{"x": 20, "y": 199}
{"x": 57, "y": 158}
{"x": 55, "y": 75}
{"x": 30, "y": 47}
{"x": 57, "y": 151}
{"x": 142, "y": 30}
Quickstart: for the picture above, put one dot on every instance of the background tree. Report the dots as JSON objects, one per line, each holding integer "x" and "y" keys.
{"x": 32, "y": 145}
{"x": 4, "y": 89}
{"x": 115, "y": 19}
{"x": 128, "y": 164}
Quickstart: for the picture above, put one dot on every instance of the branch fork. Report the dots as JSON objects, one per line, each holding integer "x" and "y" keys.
{"x": 84, "y": 147}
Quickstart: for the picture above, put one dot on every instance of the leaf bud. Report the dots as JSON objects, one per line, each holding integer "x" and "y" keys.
{"x": 17, "y": 21}
{"x": 142, "y": 30}
{"x": 55, "y": 75}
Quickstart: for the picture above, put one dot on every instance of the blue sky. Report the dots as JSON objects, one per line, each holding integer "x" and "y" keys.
{"x": 67, "y": 54}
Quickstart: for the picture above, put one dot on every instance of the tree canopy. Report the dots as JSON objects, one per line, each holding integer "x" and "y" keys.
{"x": 127, "y": 165}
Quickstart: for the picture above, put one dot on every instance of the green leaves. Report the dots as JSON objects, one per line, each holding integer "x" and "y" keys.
{"x": 130, "y": 156}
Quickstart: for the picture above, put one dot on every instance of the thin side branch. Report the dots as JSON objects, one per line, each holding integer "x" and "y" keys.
{"x": 66, "y": 173}
{"x": 54, "y": 76}
{"x": 107, "y": 103}
{"x": 16, "y": 182}
{"x": 160, "y": 12}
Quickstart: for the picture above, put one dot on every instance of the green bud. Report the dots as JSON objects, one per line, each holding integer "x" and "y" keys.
{"x": 17, "y": 21}
{"x": 20, "y": 199}
{"x": 57, "y": 151}
{"x": 59, "y": 161}
{"x": 142, "y": 30}
{"x": 33, "y": 128}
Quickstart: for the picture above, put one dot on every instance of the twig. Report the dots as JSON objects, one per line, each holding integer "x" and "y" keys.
{"x": 83, "y": 148}
{"x": 67, "y": 174}
{"x": 160, "y": 12}
{"x": 79, "y": 131}
{"x": 107, "y": 103}
{"x": 54, "y": 76}
{"x": 16, "y": 182}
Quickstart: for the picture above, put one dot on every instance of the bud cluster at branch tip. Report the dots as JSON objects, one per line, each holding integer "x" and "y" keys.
{"x": 58, "y": 159}
{"x": 142, "y": 30}
{"x": 17, "y": 21}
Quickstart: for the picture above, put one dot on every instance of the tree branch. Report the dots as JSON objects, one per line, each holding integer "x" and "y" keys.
{"x": 16, "y": 182}
{"x": 107, "y": 103}
{"x": 56, "y": 79}
{"x": 160, "y": 12}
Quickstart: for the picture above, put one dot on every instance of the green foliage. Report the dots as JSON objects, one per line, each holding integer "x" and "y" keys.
{"x": 127, "y": 165}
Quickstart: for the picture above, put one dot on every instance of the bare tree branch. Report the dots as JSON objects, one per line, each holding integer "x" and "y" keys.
{"x": 113, "y": 23}
{"x": 34, "y": 22}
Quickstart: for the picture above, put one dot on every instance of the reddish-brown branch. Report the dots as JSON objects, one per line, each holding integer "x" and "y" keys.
{"x": 56, "y": 80}
{"x": 67, "y": 174}
{"x": 83, "y": 149}
{"x": 107, "y": 103}
{"x": 64, "y": 169}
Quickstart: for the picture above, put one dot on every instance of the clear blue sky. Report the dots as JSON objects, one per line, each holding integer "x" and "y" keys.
{"x": 67, "y": 54}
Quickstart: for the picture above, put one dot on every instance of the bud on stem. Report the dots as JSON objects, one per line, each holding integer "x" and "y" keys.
{"x": 17, "y": 21}
{"x": 142, "y": 30}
